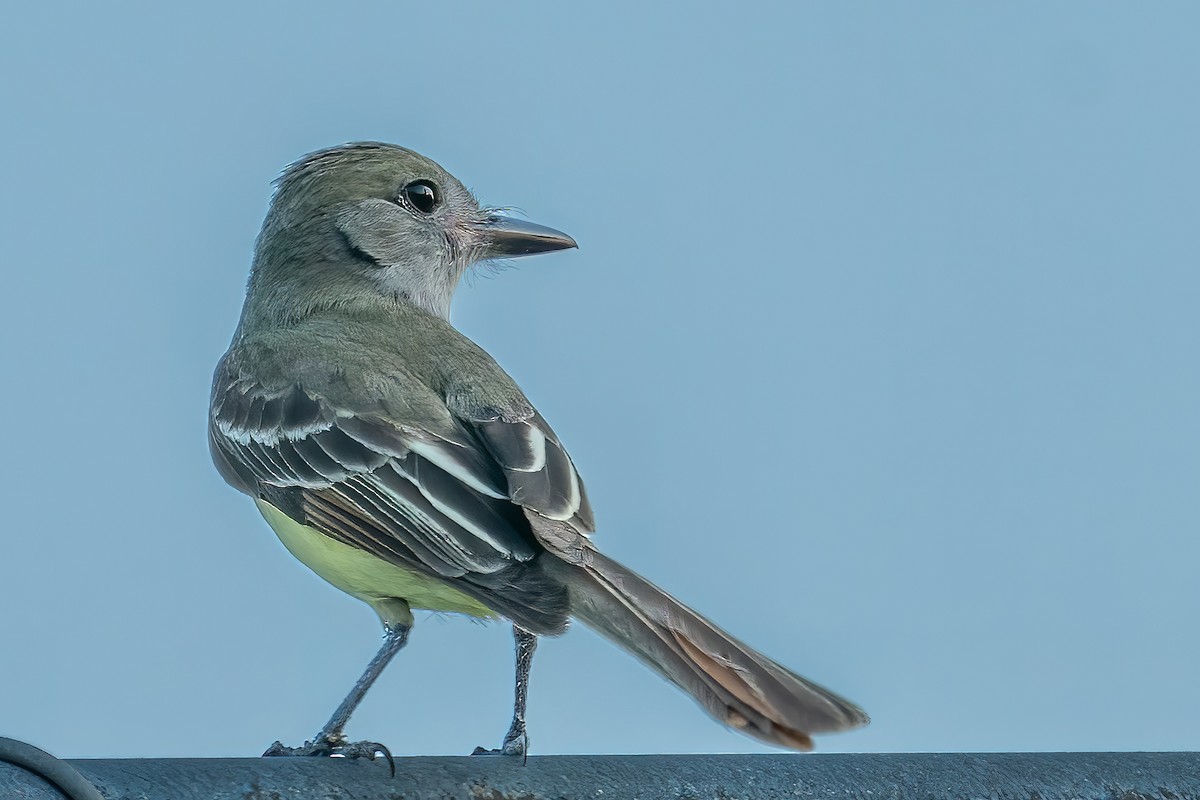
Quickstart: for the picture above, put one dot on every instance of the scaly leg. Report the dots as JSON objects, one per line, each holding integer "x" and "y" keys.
{"x": 516, "y": 742}
{"x": 331, "y": 740}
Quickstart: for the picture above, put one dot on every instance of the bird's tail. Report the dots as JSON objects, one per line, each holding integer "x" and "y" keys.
{"x": 737, "y": 685}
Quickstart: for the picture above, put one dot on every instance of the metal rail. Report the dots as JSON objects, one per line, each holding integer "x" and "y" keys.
{"x": 994, "y": 776}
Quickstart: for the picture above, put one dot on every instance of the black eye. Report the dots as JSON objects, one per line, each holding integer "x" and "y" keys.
{"x": 421, "y": 195}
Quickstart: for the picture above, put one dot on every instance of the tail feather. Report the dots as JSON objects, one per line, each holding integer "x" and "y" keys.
{"x": 737, "y": 685}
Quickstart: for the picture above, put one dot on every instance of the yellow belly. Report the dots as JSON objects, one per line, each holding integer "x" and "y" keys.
{"x": 389, "y": 589}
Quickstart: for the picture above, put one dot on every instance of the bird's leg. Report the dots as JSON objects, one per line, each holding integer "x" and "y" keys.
{"x": 516, "y": 742}
{"x": 394, "y": 639}
{"x": 331, "y": 740}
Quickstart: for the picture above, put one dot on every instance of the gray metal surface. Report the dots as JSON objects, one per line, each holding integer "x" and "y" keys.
{"x": 994, "y": 776}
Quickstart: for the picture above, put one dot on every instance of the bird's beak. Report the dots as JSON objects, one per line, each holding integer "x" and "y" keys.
{"x": 505, "y": 237}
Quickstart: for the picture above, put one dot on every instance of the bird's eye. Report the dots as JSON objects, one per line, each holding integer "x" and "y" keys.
{"x": 421, "y": 195}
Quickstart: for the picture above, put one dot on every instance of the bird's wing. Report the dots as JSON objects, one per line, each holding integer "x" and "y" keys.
{"x": 539, "y": 476}
{"x": 427, "y": 494}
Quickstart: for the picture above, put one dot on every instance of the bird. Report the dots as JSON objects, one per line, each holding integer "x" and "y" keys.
{"x": 398, "y": 461}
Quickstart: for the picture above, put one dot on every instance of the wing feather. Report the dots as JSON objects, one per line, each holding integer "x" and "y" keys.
{"x": 538, "y": 471}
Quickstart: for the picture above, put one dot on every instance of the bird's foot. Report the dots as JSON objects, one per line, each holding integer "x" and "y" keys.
{"x": 335, "y": 748}
{"x": 515, "y": 744}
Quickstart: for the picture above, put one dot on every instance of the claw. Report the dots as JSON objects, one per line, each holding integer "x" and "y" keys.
{"x": 517, "y": 746}
{"x": 339, "y": 749}
{"x": 514, "y": 745}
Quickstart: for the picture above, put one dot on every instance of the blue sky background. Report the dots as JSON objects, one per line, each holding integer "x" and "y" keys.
{"x": 879, "y": 348}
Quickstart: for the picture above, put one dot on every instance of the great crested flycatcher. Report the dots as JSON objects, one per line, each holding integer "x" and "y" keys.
{"x": 399, "y": 462}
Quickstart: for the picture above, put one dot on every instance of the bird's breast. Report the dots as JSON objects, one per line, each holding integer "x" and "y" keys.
{"x": 388, "y": 588}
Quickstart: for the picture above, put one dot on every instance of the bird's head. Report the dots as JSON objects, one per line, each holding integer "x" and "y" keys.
{"x": 372, "y": 218}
